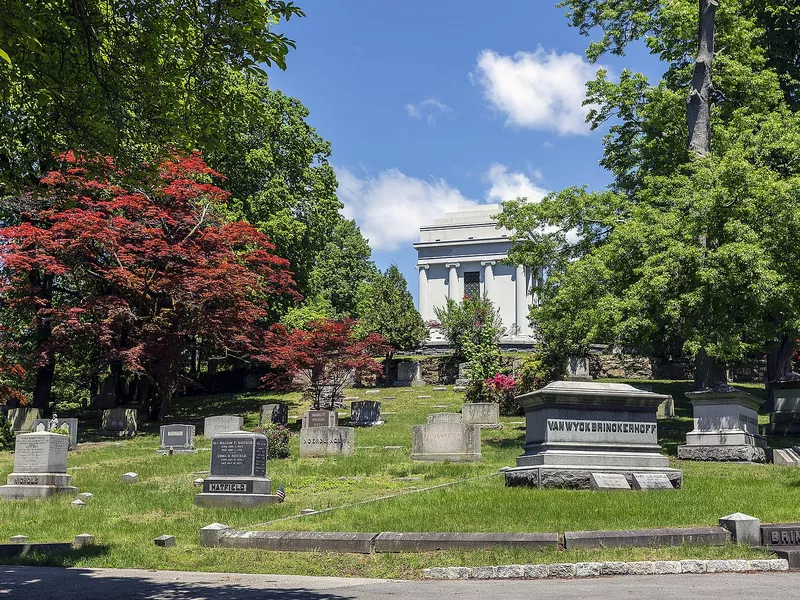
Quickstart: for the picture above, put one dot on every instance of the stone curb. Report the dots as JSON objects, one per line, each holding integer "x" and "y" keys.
{"x": 599, "y": 569}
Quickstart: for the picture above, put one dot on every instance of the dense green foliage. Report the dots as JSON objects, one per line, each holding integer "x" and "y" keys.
{"x": 463, "y": 322}
{"x": 343, "y": 264}
{"x": 278, "y": 174}
{"x": 125, "y": 78}
{"x": 6, "y": 435}
{"x": 679, "y": 255}
{"x": 385, "y": 306}
{"x": 278, "y": 438}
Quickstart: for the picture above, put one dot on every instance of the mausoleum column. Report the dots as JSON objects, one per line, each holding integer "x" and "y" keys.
{"x": 452, "y": 281}
{"x": 423, "y": 300}
{"x": 488, "y": 278}
{"x": 522, "y": 300}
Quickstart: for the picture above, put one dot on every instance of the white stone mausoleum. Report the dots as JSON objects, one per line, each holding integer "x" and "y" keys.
{"x": 461, "y": 255}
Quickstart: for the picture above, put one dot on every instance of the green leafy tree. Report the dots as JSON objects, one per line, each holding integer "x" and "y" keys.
{"x": 692, "y": 249}
{"x": 125, "y": 78}
{"x": 466, "y": 323}
{"x": 344, "y": 264}
{"x": 385, "y": 306}
{"x": 302, "y": 316}
{"x": 279, "y": 176}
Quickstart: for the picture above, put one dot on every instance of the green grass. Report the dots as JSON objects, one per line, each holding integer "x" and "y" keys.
{"x": 126, "y": 518}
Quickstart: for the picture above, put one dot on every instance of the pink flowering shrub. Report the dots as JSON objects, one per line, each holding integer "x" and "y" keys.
{"x": 503, "y": 389}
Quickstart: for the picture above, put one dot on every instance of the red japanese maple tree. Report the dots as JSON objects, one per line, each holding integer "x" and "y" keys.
{"x": 145, "y": 264}
{"x": 322, "y": 358}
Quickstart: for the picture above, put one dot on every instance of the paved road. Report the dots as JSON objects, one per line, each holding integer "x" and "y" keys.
{"x": 43, "y": 583}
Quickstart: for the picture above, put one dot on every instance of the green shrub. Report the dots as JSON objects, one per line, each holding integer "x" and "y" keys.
{"x": 534, "y": 374}
{"x": 277, "y": 439}
{"x": 6, "y": 435}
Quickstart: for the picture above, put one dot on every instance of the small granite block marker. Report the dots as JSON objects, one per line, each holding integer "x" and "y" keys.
{"x": 651, "y": 481}
{"x": 365, "y": 413}
{"x": 83, "y": 539}
{"x": 40, "y": 467}
{"x": 130, "y": 477}
{"x": 372, "y": 392}
{"x": 320, "y": 418}
{"x": 440, "y": 441}
{"x": 744, "y": 528}
{"x": 177, "y": 439}
{"x": 19, "y": 539}
{"x": 608, "y": 481}
{"x": 238, "y": 477}
{"x": 78, "y": 503}
{"x": 120, "y": 422}
{"x": 221, "y": 424}
{"x": 324, "y": 441}
{"x": 85, "y": 496}
{"x": 198, "y": 482}
{"x": 274, "y": 413}
{"x": 165, "y": 541}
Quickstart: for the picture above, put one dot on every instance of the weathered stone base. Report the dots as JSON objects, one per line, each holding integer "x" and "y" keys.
{"x": 365, "y": 423}
{"x": 723, "y": 453}
{"x": 234, "y": 500}
{"x": 450, "y": 457}
{"x": 577, "y": 478}
{"x": 25, "y": 492}
{"x": 166, "y": 451}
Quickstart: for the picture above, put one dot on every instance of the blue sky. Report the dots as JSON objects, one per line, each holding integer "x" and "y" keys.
{"x": 434, "y": 104}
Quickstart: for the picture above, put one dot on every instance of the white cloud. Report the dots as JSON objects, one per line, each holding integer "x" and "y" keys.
{"x": 539, "y": 90}
{"x": 510, "y": 186}
{"x": 391, "y": 207}
{"x": 428, "y": 109}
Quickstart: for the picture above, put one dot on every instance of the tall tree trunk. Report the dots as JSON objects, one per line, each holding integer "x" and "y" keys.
{"x": 166, "y": 402}
{"x": 779, "y": 362}
{"x": 708, "y": 372}
{"x": 47, "y": 365}
{"x": 698, "y": 110}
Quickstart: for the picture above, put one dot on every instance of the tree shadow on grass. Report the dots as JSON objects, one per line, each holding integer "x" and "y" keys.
{"x": 86, "y": 584}
{"x": 57, "y": 559}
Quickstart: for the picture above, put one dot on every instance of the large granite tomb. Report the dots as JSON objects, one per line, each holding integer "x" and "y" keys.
{"x": 576, "y": 428}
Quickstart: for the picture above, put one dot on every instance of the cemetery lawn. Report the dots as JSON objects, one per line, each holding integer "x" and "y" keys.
{"x": 126, "y": 518}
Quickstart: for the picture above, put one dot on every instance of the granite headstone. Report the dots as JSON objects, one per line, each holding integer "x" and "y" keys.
{"x": 120, "y": 422}
{"x": 320, "y": 418}
{"x": 238, "y": 474}
{"x": 22, "y": 419}
{"x": 450, "y": 441}
{"x": 40, "y": 467}
{"x": 274, "y": 413}
{"x": 221, "y": 424}
{"x": 365, "y": 413}
{"x": 325, "y": 441}
{"x": 485, "y": 414}
{"x": 70, "y": 424}
{"x": 176, "y": 439}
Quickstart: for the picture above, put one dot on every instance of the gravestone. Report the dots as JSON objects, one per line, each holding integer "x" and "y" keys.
{"x": 365, "y": 413}
{"x": 666, "y": 410}
{"x": 320, "y": 418}
{"x": 444, "y": 417}
{"x": 274, "y": 413}
{"x": 608, "y": 481}
{"x": 70, "y": 425}
{"x": 119, "y": 422}
{"x": 725, "y": 427}
{"x": 651, "y": 481}
{"x": 451, "y": 441}
{"x": 463, "y": 376}
{"x": 325, "y": 441}
{"x": 221, "y": 424}
{"x": 780, "y": 534}
{"x": 409, "y": 374}
{"x": 784, "y": 418}
{"x": 22, "y": 419}
{"x": 578, "y": 368}
{"x": 238, "y": 476}
{"x": 485, "y": 414}
{"x": 40, "y": 467}
{"x": 576, "y": 428}
{"x": 177, "y": 439}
